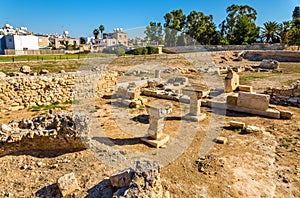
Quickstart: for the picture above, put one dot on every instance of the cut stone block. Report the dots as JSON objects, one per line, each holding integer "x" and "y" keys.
{"x": 67, "y": 184}
{"x": 231, "y": 82}
{"x": 245, "y": 88}
{"x": 238, "y": 125}
{"x": 221, "y": 140}
{"x": 157, "y": 143}
{"x": 286, "y": 114}
{"x": 159, "y": 111}
{"x": 252, "y": 129}
{"x": 156, "y": 127}
{"x": 157, "y": 73}
{"x": 232, "y": 99}
{"x": 253, "y": 101}
{"x": 122, "y": 179}
{"x": 193, "y": 118}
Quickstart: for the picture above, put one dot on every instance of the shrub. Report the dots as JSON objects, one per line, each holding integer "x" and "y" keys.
{"x": 119, "y": 51}
{"x": 145, "y": 50}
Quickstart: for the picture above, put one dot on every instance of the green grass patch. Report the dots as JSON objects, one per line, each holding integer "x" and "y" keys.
{"x": 291, "y": 67}
{"x": 54, "y": 105}
{"x": 72, "y": 102}
{"x": 252, "y": 77}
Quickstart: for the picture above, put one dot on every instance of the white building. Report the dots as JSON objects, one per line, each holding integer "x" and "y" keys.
{"x": 20, "y": 42}
{"x": 2, "y": 44}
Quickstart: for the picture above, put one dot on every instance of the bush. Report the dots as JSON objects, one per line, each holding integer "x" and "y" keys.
{"x": 119, "y": 51}
{"x": 145, "y": 50}
{"x": 152, "y": 50}
{"x": 137, "y": 51}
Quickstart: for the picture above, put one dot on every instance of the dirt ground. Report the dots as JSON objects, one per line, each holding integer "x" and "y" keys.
{"x": 265, "y": 164}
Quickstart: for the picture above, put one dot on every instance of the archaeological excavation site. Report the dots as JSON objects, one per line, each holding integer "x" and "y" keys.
{"x": 182, "y": 124}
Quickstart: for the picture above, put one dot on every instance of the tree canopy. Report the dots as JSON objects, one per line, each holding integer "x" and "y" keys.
{"x": 237, "y": 28}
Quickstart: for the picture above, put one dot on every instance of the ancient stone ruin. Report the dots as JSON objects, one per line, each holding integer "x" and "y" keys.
{"x": 155, "y": 136}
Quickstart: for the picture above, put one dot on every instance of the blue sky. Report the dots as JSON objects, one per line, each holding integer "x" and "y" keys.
{"x": 81, "y": 17}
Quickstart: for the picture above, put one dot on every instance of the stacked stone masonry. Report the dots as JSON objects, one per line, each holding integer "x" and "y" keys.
{"x": 289, "y": 96}
{"x": 25, "y": 91}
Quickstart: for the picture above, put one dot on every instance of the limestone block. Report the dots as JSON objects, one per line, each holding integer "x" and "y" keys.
{"x": 2, "y": 75}
{"x": 235, "y": 124}
{"x": 5, "y": 128}
{"x": 67, "y": 184}
{"x": 25, "y": 69}
{"x": 245, "y": 88}
{"x": 269, "y": 64}
{"x": 122, "y": 179}
{"x": 221, "y": 140}
{"x": 286, "y": 114}
{"x": 252, "y": 129}
{"x": 232, "y": 99}
{"x": 231, "y": 81}
{"x": 253, "y": 101}
{"x": 195, "y": 107}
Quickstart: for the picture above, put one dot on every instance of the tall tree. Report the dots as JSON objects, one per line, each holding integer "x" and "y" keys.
{"x": 244, "y": 31}
{"x": 235, "y": 13}
{"x": 96, "y": 33}
{"x": 270, "y": 32}
{"x": 154, "y": 32}
{"x": 294, "y": 36}
{"x": 101, "y": 28}
{"x": 296, "y": 16}
{"x": 174, "y": 22}
{"x": 283, "y": 31}
{"x": 200, "y": 27}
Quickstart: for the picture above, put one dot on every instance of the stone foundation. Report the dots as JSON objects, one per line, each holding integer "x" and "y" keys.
{"x": 21, "y": 92}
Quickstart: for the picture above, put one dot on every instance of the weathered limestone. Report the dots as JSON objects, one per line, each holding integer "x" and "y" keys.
{"x": 286, "y": 114}
{"x": 237, "y": 125}
{"x": 269, "y": 64}
{"x": 21, "y": 92}
{"x": 231, "y": 81}
{"x": 253, "y": 101}
{"x": 25, "y": 69}
{"x": 67, "y": 184}
{"x": 232, "y": 99}
{"x": 252, "y": 129}
{"x": 221, "y": 140}
{"x": 286, "y": 95}
{"x": 157, "y": 73}
{"x": 2, "y": 75}
{"x": 155, "y": 136}
{"x": 122, "y": 179}
{"x": 245, "y": 88}
{"x": 195, "y": 93}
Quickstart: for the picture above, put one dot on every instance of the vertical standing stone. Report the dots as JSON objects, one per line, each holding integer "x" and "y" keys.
{"x": 155, "y": 136}
{"x": 157, "y": 73}
{"x": 195, "y": 93}
{"x": 231, "y": 81}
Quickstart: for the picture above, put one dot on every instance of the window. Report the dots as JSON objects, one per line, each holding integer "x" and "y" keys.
{"x": 25, "y": 48}
{"x": 9, "y": 40}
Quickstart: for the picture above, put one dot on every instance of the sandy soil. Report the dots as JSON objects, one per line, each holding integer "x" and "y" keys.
{"x": 265, "y": 164}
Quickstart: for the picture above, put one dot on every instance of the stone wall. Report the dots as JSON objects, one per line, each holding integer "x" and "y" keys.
{"x": 43, "y": 133}
{"x": 179, "y": 49}
{"x": 24, "y": 91}
{"x": 282, "y": 56}
{"x": 287, "y": 96}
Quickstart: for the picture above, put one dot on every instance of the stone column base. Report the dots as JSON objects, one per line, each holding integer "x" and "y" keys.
{"x": 193, "y": 118}
{"x": 161, "y": 141}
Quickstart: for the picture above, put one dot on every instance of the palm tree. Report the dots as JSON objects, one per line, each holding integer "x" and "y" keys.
{"x": 270, "y": 31}
{"x": 101, "y": 28}
{"x": 283, "y": 31}
{"x": 96, "y": 33}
